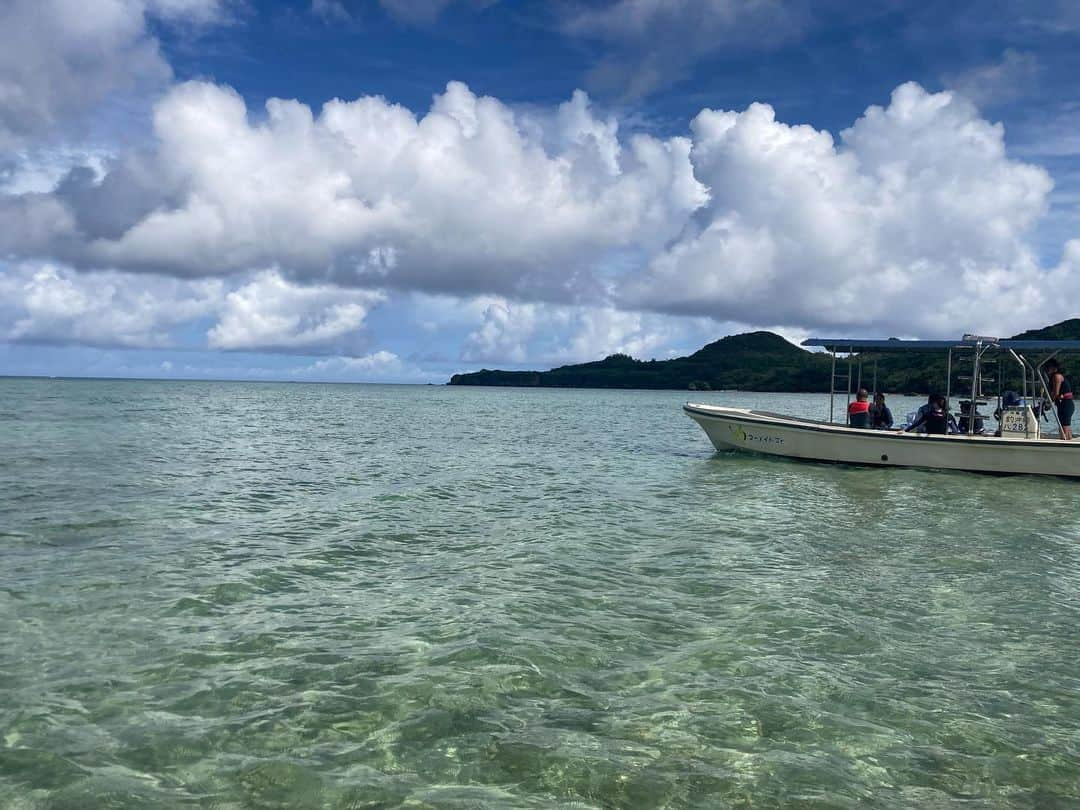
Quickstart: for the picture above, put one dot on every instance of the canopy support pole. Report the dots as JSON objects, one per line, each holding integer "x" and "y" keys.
{"x": 974, "y": 388}
{"x": 847, "y": 407}
{"x": 832, "y": 384}
{"x": 948, "y": 378}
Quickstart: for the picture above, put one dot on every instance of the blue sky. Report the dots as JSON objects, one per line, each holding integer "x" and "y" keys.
{"x": 398, "y": 190}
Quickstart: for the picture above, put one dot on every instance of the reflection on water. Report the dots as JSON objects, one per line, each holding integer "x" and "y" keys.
{"x": 361, "y": 596}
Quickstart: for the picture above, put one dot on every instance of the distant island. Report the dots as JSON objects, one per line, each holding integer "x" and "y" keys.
{"x": 753, "y": 361}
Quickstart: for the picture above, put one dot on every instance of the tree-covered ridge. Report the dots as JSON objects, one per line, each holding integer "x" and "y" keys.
{"x": 753, "y": 361}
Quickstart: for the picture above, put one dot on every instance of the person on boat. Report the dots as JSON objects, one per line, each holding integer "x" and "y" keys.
{"x": 858, "y": 412}
{"x": 933, "y": 417}
{"x": 967, "y": 414}
{"x": 924, "y": 409}
{"x": 880, "y": 415}
{"x": 1062, "y": 395}
{"x": 950, "y": 420}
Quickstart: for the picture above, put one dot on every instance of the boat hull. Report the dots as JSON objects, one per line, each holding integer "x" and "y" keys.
{"x": 776, "y": 435}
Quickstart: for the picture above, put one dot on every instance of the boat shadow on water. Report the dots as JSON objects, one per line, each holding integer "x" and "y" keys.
{"x": 832, "y": 504}
{"x": 872, "y": 490}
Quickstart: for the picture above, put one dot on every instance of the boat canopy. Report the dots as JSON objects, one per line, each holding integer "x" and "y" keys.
{"x": 968, "y": 341}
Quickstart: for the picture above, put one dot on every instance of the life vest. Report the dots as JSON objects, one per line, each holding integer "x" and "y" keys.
{"x": 937, "y": 421}
{"x": 858, "y": 414}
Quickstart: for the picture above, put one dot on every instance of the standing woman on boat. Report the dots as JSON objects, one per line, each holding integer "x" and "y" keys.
{"x": 1062, "y": 395}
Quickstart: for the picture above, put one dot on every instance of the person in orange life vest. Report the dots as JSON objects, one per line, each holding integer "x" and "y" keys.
{"x": 1062, "y": 394}
{"x": 858, "y": 412}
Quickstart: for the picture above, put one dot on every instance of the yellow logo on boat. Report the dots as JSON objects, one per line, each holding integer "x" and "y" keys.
{"x": 756, "y": 438}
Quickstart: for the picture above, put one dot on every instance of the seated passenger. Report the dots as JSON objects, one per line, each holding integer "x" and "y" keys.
{"x": 950, "y": 421}
{"x": 967, "y": 415}
{"x": 858, "y": 412}
{"x": 880, "y": 415}
{"x": 921, "y": 413}
{"x": 933, "y": 417}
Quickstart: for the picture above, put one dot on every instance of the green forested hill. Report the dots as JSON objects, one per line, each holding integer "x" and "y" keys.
{"x": 754, "y": 361}
{"x": 1066, "y": 330}
{"x": 759, "y": 361}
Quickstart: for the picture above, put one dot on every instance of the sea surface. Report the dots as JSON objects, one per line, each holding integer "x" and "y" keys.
{"x": 240, "y": 595}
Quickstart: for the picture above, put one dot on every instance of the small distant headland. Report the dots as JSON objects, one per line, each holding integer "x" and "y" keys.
{"x": 753, "y": 361}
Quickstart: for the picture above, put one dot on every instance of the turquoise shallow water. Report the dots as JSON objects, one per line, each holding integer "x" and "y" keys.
{"x": 254, "y": 595}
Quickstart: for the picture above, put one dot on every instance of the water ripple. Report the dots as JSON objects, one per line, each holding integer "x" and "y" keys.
{"x": 251, "y": 595}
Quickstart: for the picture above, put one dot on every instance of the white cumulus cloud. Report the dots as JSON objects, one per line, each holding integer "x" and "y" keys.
{"x": 60, "y": 58}
{"x": 504, "y": 334}
{"x": 52, "y": 304}
{"x": 270, "y": 313}
{"x": 917, "y": 220}
{"x": 379, "y": 367}
{"x": 515, "y": 332}
{"x": 45, "y": 303}
{"x": 471, "y": 197}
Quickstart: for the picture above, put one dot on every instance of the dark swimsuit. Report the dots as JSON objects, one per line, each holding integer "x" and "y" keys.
{"x": 935, "y": 419}
{"x": 1066, "y": 406}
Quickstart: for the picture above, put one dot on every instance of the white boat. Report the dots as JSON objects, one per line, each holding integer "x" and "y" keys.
{"x": 1018, "y": 447}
